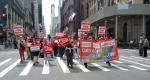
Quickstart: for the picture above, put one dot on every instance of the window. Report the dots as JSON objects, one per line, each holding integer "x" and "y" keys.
{"x": 98, "y": 4}
{"x": 108, "y": 2}
{"x": 102, "y": 3}
{"x": 87, "y": 10}
{"x": 146, "y": 1}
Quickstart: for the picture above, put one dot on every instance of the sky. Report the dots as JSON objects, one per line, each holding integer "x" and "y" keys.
{"x": 46, "y": 4}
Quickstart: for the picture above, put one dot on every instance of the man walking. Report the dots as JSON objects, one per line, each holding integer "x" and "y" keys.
{"x": 141, "y": 46}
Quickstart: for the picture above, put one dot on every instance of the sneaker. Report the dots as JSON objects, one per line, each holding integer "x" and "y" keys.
{"x": 71, "y": 67}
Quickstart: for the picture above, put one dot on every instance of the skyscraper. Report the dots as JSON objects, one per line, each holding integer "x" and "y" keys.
{"x": 52, "y": 17}
{"x": 40, "y": 11}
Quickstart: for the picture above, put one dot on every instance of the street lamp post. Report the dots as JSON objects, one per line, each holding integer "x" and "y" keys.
{"x": 7, "y": 27}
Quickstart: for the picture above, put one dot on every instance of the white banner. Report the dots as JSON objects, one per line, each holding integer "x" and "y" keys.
{"x": 108, "y": 43}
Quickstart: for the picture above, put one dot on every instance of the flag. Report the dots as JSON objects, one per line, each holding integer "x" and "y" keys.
{"x": 71, "y": 17}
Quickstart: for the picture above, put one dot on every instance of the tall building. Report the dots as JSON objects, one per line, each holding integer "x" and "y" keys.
{"x": 40, "y": 11}
{"x": 28, "y": 23}
{"x": 52, "y": 19}
{"x": 59, "y": 16}
{"x": 37, "y": 8}
{"x": 125, "y": 20}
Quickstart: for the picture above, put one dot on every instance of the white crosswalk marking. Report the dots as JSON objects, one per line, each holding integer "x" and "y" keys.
{"x": 135, "y": 62}
{"x": 63, "y": 66}
{"x": 100, "y": 67}
{"x": 27, "y": 69}
{"x": 121, "y": 68}
{"x": 81, "y": 66}
{"x": 45, "y": 68}
{"x": 131, "y": 58}
{"x": 5, "y": 61}
{"x": 5, "y": 71}
{"x": 136, "y": 67}
{"x": 140, "y": 58}
{"x": 118, "y": 62}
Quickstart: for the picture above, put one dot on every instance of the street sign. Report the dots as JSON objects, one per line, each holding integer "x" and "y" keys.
{"x": 102, "y": 30}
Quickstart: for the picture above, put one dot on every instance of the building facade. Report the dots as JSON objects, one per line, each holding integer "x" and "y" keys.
{"x": 13, "y": 13}
{"x": 125, "y": 20}
{"x": 28, "y": 23}
{"x": 68, "y": 8}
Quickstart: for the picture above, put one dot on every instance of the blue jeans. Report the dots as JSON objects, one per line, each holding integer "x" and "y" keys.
{"x": 141, "y": 51}
{"x": 61, "y": 51}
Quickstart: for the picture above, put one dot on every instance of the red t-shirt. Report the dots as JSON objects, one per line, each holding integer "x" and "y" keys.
{"x": 47, "y": 48}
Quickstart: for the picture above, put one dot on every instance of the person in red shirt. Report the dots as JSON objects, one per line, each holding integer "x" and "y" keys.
{"x": 35, "y": 50}
{"x": 47, "y": 51}
{"x": 21, "y": 49}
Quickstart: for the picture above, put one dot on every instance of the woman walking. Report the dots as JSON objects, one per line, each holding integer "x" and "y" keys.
{"x": 146, "y": 45}
{"x": 21, "y": 50}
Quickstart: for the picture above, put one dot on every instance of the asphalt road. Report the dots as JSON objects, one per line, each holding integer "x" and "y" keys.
{"x": 129, "y": 67}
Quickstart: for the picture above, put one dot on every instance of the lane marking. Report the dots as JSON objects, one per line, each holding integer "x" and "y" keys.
{"x": 118, "y": 62}
{"x": 5, "y": 71}
{"x": 81, "y": 66}
{"x": 121, "y": 68}
{"x": 5, "y": 61}
{"x": 63, "y": 66}
{"x": 100, "y": 67}
{"x": 45, "y": 68}
{"x": 140, "y": 58}
{"x": 26, "y": 69}
{"x": 137, "y": 67}
{"x": 131, "y": 58}
{"x": 135, "y": 62}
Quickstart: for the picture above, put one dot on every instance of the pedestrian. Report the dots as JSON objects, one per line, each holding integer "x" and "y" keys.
{"x": 15, "y": 44}
{"x": 61, "y": 50}
{"x": 69, "y": 55}
{"x": 28, "y": 45}
{"x": 41, "y": 54}
{"x": 55, "y": 47}
{"x": 21, "y": 49}
{"x": 31, "y": 52}
{"x": 47, "y": 51}
{"x": 141, "y": 42}
{"x": 35, "y": 50}
{"x": 145, "y": 46}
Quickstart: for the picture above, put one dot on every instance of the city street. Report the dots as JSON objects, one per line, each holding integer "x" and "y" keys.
{"x": 129, "y": 67}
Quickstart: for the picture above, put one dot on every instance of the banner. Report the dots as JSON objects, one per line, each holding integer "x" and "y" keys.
{"x": 85, "y": 26}
{"x": 85, "y": 49}
{"x": 59, "y": 34}
{"x": 102, "y": 30}
{"x": 101, "y": 52}
{"x": 63, "y": 41}
{"x": 18, "y": 30}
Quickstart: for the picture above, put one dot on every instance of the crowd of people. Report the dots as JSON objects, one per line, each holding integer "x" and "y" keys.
{"x": 45, "y": 48}
{"x": 143, "y": 46}
{"x": 50, "y": 48}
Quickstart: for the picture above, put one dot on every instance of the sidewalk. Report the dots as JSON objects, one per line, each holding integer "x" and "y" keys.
{"x": 8, "y": 50}
{"x": 133, "y": 50}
